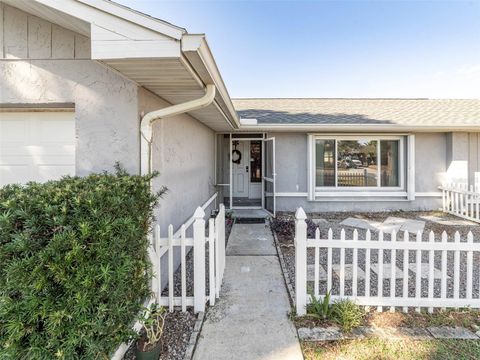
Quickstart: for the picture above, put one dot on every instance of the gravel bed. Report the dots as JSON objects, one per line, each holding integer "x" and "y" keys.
{"x": 333, "y": 221}
{"x": 178, "y": 328}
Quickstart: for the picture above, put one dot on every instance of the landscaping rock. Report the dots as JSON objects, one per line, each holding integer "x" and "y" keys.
{"x": 320, "y": 334}
{"x": 446, "y": 332}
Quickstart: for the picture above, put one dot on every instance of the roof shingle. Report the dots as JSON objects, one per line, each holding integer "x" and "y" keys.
{"x": 408, "y": 112}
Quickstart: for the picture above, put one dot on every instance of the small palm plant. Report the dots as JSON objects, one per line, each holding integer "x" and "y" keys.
{"x": 320, "y": 308}
{"x": 153, "y": 321}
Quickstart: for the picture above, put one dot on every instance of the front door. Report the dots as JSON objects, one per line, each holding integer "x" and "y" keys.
{"x": 240, "y": 162}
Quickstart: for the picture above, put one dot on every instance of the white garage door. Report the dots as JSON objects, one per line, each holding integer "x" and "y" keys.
{"x": 36, "y": 146}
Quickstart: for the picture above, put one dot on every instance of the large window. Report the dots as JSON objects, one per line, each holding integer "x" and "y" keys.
{"x": 358, "y": 162}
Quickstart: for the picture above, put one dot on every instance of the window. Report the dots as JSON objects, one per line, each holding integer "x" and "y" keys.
{"x": 358, "y": 162}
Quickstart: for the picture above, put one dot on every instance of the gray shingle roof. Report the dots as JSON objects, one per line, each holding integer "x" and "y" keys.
{"x": 407, "y": 112}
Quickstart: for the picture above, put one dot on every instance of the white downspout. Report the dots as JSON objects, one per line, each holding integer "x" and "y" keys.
{"x": 146, "y": 125}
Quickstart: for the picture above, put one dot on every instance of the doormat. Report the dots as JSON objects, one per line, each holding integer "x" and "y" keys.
{"x": 249, "y": 220}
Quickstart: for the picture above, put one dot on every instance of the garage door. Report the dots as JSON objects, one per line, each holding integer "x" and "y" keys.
{"x": 36, "y": 146}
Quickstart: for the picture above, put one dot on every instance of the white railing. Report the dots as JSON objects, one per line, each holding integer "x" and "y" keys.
{"x": 461, "y": 200}
{"x": 163, "y": 249}
{"x": 418, "y": 290}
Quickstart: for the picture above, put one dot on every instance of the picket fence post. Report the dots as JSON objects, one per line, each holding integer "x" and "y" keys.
{"x": 199, "y": 261}
{"x": 300, "y": 261}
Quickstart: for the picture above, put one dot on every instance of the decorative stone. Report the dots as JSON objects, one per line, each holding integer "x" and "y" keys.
{"x": 414, "y": 333}
{"x": 446, "y": 332}
{"x": 320, "y": 334}
{"x": 359, "y": 333}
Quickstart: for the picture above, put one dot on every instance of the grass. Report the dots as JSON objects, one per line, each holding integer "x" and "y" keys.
{"x": 466, "y": 318}
{"x": 384, "y": 349}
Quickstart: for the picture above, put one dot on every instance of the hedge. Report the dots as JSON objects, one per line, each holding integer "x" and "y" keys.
{"x": 74, "y": 270}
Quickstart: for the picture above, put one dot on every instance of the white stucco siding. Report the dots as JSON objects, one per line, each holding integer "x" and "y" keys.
{"x": 106, "y": 108}
{"x": 183, "y": 153}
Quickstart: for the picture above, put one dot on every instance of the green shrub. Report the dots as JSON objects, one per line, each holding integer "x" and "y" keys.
{"x": 74, "y": 269}
{"x": 347, "y": 314}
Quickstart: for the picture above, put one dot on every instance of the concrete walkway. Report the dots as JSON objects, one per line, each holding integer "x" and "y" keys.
{"x": 250, "y": 321}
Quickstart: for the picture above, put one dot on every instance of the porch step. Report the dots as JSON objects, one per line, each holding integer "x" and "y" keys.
{"x": 249, "y": 215}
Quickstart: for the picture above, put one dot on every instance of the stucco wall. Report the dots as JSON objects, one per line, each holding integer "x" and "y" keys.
{"x": 291, "y": 169}
{"x": 183, "y": 153}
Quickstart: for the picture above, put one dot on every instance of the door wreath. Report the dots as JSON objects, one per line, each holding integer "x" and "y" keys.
{"x": 236, "y": 154}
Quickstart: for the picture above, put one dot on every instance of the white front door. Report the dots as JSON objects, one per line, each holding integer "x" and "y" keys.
{"x": 36, "y": 146}
{"x": 240, "y": 163}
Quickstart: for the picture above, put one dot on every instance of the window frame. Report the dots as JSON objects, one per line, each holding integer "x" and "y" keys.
{"x": 355, "y": 137}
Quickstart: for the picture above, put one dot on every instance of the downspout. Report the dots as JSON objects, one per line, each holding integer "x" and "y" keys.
{"x": 146, "y": 125}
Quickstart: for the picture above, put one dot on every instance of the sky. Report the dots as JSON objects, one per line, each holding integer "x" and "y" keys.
{"x": 336, "y": 48}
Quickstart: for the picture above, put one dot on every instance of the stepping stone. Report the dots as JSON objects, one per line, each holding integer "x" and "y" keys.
{"x": 387, "y": 271}
{"x": 320, "y": 222}
{"x": 311, "y": 273}
{"x": 437, "y": 274}
{"x": 320, "y": 334}
{"x": 400, "y": 224}
{"x": 359, "y": 223}
{"x": 445, "y": 332}
{"x": 348, "y": 270}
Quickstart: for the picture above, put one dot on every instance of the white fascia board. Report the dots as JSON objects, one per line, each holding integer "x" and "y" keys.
{"x": 108, "y": 45}
{"x": 195, "y": 47}
{"x": 137, "y": 17}
{"x": 345, "y": 128}
{"x": 103, "y": 13}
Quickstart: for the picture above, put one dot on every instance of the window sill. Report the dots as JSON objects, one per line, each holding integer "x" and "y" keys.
{"x": 360, "y": 193}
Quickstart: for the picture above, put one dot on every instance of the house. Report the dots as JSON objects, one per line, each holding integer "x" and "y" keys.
{"x": 87, "y": 83}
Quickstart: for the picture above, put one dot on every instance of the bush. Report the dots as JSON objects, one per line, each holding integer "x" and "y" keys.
{"x": 347, "y": 314}
{"x": 74, "y": 270}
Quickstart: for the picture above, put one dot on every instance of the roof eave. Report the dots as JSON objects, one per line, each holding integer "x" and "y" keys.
{"x": 196, "y": 50}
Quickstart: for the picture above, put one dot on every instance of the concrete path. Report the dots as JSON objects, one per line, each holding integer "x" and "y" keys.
{"x": 250, "y": 320}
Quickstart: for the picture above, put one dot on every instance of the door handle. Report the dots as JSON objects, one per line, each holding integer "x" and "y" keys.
{"x": 246, "y": 168}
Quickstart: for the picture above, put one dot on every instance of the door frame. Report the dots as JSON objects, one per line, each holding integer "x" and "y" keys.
{"x": 231, "y": 140}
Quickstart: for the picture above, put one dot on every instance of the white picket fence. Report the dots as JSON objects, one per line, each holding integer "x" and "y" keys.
{"x": 369, "y": 248}
{"x": 162, "y": 249}
{"x": 461, "y": 200}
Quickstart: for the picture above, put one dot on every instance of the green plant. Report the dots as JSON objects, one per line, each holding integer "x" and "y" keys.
{"x": 74, "y": 267}
{"x": 320, "y": 308}
{"x": 347, "y": 314}
{"x": 153, "y": 322}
